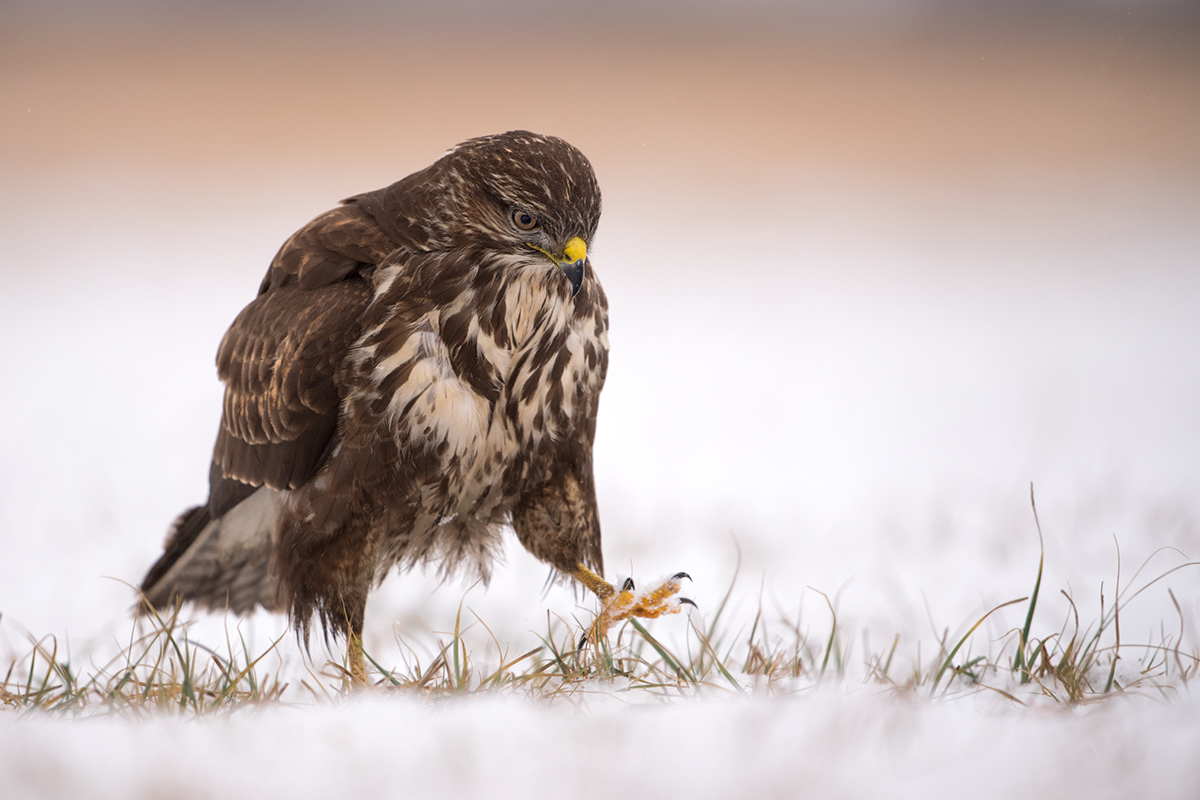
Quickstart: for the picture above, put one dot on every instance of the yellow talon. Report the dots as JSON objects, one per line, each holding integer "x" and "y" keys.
{"x": 618, "y": 605}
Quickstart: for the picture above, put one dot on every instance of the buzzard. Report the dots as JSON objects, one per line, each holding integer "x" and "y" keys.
{"x": 420, "y": 371}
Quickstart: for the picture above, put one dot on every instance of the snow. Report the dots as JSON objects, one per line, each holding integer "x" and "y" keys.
{"x": 846, "y": 380}
{"x": 831, "y": 744}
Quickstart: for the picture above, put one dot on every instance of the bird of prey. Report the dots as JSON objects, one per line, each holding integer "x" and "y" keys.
{"x": 420, "y": 371}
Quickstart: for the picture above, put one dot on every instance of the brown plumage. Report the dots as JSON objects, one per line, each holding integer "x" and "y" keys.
{"x": 420, "y": 370}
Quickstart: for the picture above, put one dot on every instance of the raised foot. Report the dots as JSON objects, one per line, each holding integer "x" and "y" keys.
{"x": 617, "y": 605}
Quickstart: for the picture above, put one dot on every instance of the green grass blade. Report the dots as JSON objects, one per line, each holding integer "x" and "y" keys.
{"x": 950, "y": 656}
{"x": 1019, "y": 664}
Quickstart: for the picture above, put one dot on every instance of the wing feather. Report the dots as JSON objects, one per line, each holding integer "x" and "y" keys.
{"x": 279, "y": 362}
{"x": 334, "y": 246}
{"x": 280, "y": 358}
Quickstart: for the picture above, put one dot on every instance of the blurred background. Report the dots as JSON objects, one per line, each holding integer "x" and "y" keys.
{"x": 874, "y": 268}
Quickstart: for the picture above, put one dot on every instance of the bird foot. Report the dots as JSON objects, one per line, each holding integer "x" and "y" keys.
{"x": 619, "y": 604}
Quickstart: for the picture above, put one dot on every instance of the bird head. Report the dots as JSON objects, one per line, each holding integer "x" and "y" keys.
{"x": 533, "y": 198}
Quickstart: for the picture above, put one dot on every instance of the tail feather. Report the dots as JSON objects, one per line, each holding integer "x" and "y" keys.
{"x": 218, "y": 563}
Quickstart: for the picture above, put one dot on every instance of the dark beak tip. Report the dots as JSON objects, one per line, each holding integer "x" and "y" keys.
{"x": 574, "y": 273}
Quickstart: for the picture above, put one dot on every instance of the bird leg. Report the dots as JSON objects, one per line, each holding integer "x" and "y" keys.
{"x": 354, "y": 658}
{"x": 354, "y": 609}
{"x": 616, "y": 605}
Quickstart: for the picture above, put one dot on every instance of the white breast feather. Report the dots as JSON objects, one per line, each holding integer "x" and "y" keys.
{"x": 443, "y": 407}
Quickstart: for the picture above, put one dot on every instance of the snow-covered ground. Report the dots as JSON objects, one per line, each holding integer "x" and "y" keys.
{"x": 827, "y": 745}
{"x": 849, "y": 378}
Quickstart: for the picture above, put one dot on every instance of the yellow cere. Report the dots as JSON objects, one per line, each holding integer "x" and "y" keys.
{"x": 575, "y": 250}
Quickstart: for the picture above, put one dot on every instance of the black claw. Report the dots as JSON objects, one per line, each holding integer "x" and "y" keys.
{"x": 583, "y": 640}
{"x": 687, "y": 600}
{"x": 627, "y": 586}
{"x": 679, "y": 575}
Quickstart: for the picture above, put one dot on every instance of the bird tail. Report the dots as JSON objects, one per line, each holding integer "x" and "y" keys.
{"x": 221, "y": 563}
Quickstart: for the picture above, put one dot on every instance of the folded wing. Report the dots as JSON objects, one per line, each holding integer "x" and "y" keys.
{"x": 280, "y": 362}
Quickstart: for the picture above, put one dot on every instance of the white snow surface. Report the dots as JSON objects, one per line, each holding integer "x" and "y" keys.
{"x": 829, "y": 744}
{"x": 851, "y": 383}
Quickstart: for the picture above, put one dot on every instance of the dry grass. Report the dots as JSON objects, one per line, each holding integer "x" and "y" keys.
{"x": 161, "y": 669}
{"x": 158, "y": 668}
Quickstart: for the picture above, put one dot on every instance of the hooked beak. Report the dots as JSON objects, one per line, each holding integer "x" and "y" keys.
{"x": 571, "y": 263}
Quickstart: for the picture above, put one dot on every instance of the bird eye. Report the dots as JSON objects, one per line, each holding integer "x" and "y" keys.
{"x": 524, "y": 220}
